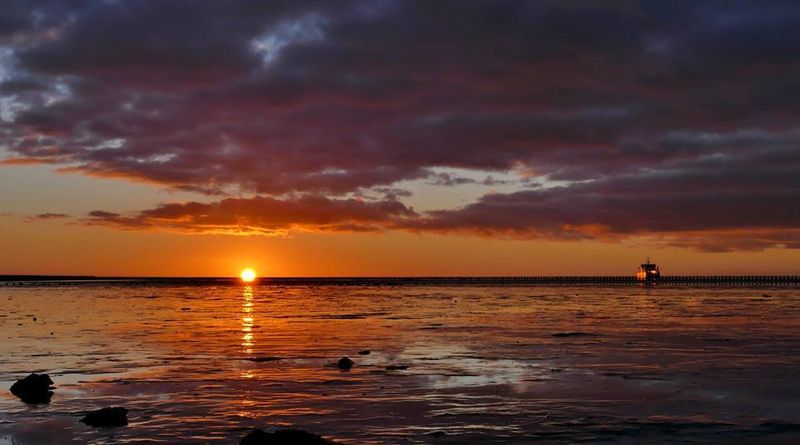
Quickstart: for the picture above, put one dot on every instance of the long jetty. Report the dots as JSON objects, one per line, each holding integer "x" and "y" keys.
{"x": 564, "y": 280}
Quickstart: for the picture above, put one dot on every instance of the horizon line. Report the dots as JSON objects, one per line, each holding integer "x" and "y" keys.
{"x": 448, "y": 281}
{"x": 222, "y": 277}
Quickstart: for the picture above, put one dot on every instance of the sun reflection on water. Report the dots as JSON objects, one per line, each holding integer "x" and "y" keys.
{"x": 248, "y": 341}
{"x": 482, "y": 362}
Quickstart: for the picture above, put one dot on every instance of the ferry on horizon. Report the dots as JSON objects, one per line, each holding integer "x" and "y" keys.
{"x": 648, "y": 272}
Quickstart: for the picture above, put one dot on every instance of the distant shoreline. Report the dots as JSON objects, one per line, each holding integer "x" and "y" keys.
{"x": 53, "y": 280}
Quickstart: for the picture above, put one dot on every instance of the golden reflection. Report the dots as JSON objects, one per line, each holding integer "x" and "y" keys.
{"x": 248, "y": 341}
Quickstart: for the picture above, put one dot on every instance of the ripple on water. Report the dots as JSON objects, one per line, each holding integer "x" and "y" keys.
{"x": 456, "y": 365}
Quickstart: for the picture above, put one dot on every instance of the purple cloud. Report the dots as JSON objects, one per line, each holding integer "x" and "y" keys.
{"x": 261, "y": 215}
{"x": 46, "y": 216}
{"x": 653, "y": 118}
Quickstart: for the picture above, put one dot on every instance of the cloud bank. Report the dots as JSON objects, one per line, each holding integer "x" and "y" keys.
{"x": 633, "y": 118}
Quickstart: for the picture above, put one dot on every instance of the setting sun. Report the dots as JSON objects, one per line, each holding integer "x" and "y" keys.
{"x": 248, "y": 275}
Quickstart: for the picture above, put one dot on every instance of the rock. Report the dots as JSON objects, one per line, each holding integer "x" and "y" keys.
{"x": 284, "y": 437}
{"x": 437, "y": 434}
{"x": 263, "y": 359}
{"x": 572, "y": 334}
{"x": 364, "y": 352}
{"x": 345, "y": 363}
{"x": 256, "y": 437}
{"x": 397, "y": 367}
{"x": 35, "y": 388}
{"x": 111, "y": 416}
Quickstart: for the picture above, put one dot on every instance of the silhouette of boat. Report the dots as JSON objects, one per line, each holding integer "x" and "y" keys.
{"x": 648, "y": 272}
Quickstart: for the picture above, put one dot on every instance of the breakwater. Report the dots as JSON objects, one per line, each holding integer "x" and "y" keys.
{"x": 567, "y": 280}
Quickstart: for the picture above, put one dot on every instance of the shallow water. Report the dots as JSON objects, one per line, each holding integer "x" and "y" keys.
{"x": 629, "y": 365}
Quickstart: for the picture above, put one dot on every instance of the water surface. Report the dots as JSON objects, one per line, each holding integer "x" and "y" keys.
{"x": 480, "y": 364}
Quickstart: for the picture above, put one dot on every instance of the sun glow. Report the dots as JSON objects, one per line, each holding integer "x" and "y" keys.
{"x": 248, "y": 275}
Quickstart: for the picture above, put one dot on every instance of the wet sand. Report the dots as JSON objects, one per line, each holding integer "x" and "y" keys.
{"x": 479, "y": 364}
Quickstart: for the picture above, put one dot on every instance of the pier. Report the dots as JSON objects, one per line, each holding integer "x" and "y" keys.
{"x": 563, "y": 280}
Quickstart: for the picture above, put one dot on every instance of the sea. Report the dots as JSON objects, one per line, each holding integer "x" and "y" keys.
{"x": 432, "y": 365}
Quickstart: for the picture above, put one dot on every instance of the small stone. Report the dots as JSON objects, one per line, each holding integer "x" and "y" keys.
{"x": 35, "y": 388}
{"x": 437, "y": 434}
{"x": 397, "y": 367}
{"x": 256, "y": 437}
{"x": 107, "y": 417}
{"x": 284, "y": 437}
{"x": 364, "y": 352}
{"x": 263, "y": 359}
{"x": 345, "y": 363}
{"x": 572, "y": 334}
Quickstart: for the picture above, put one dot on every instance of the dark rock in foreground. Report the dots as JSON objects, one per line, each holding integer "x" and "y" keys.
{"x": 35, "y": 388}
{"x": 345, "y": 363}
{"x": 397, "y": 367}
{"x": 573, "y": 334}
{"x": 112, "y": 416}
{"x": 284, "y": 437}
{"x": 263, "y": 359}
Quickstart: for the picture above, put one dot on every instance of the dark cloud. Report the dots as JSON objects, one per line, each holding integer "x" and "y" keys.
{"x": 45, "y": 216}
{"x": 714, "y": 203}
{"x": 655, "y": 116}
{"x": 262, "y": 215}
{"x": 103, "y": 214}
{"x": 448, "y": 180}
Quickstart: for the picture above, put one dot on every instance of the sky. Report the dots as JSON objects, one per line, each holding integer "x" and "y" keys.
{"x": 387, "y": 137}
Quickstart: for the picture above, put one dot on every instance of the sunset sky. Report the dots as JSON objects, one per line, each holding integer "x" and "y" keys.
{"x": 399, "y": 137}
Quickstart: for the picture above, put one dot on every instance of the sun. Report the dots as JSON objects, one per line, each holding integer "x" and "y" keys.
{"x": 248, "y": 275}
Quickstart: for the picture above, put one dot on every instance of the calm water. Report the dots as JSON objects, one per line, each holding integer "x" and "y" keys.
{"x": 660, "y": 365}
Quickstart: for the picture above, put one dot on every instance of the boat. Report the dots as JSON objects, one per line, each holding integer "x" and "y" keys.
{"x": 648, "y": 272}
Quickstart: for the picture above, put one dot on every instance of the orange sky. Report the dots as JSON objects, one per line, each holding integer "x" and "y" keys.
{"x": 55, "y": 248}
{"x": 65, "y": 246}
{"x": 398, "y": 138}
